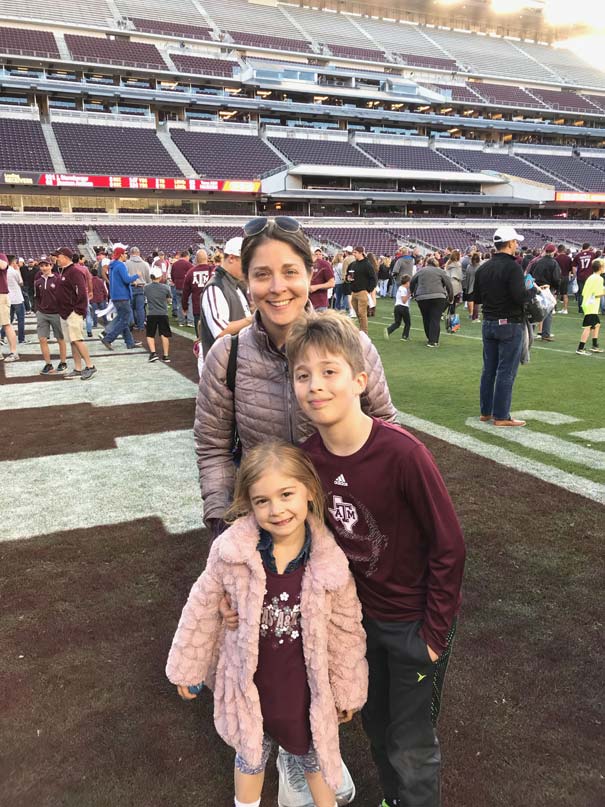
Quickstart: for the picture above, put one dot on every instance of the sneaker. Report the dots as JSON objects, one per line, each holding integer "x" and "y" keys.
{"x": 405, "y": 338}
{"x": 89, "y": 334}
{"x": 386, "y": 334}
{"x": 563, "y": 311}
{"x": 74, "y": 374}
{"x": 596, "y": 350}
{"x": 166, "y": 359}
{"x": 582, "y": 352}
{"x": 353, "y": 315}
{"x": 108, "y": 345}
{"x": 153, "y": 357}
{"x": 47, "y": 369}
{"x": 12, "y": 357}
{"x": 293, "y": 788}
{"x": 88, "y": 372}
{"x": 135, "y": 345}
{"x": 61, "y": 367}
{"x": 486, "y": 418}
{"x": 547, "y": 338}
{"x": 432, "y": 344}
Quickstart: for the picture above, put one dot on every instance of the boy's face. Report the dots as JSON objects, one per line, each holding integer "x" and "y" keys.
{"x": 326, "y": 387}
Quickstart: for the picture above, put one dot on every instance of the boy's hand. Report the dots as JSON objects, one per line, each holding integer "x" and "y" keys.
{"x": 184, "y": 693}
{"x": 433, "y": 656}
{"x": 346, "y": 715}
{"x": 230, "y": 617}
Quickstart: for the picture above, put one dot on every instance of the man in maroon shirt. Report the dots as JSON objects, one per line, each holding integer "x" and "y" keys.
{"x": 582, "y": 265}
{"x": 322, "y": 279}
{"x": 392, "y": 516}
{"x": 565, "y": 264}
{"x": 5, "y": 307}
{"x": 193, "y": 285}
{"x": 72, "y": 304}
{"x": 178, "y": 272}
{"x": 47, "y": 315}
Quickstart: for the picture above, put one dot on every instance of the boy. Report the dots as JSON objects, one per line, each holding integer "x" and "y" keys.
{"x": 591, "y": 300}
{"x": 157, "y": 295}
{"x": 47, "y": 314}
{"x": 393, "y": 518}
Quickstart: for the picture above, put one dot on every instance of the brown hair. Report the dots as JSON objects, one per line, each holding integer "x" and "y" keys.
{"x": 330, "y": 332}
{"x": 298, "y": 241}
{"x": 289, "y": 459}
{"x": 454, "y": 256}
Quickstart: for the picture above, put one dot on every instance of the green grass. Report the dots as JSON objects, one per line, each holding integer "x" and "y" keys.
{"x": 443, "y": 385}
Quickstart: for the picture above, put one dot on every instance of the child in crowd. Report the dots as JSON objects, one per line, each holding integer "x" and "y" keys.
{"x": 591, "y": 302}
{"x": 401, "y": 312}
{"x": 157, "y": 295}
{"x": 289, "y": 581}
{"x": 392, "y": 516}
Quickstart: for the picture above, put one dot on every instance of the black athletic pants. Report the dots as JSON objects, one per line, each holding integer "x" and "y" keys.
{"x": 431, "y": 311}
{"x": 401, "y": 711}
{"x": 400, "y": 313}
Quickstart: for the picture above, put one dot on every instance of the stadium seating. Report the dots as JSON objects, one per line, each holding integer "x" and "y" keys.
{"x": 35, "y": 240}
{"x": 442, "y": 237}
{"x": 74, "y": 12}
{"x": 575, "y": 171}
{"x": 23, "y": 147}
{"x": 377, "y": 240}
{"x": 252, "y": 19}
{"x": 409, "y": 158}
{"x": 564, "y": 64}
{"x": 436, "y": 62}
{"x": 221, "y": 234}
{"x": 185, "y": 12}
{"x": 321, "y": 152}
{"x": 28, "y": 42}
{"x": 272, "y": 42}
{"x": 119, "y": 150}
{"x": 461, "y": 93}
{"x": 504, "y": 163}
{"x": 357, "y": 54}
{"x": 216, "y": 155}
{"x": 203, "y": 65}
{"x": 173, "y": 29}
{"x": 101, "y": 50}
{"x": 324, "y": 26}
{"x": 168, "y": 238}
{"x": 506, "y": 95}
{"x": 565, "y": 100}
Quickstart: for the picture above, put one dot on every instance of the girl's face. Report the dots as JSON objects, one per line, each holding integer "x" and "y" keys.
{"x": 280, "y": 505}
{"x": 279, "y": 287}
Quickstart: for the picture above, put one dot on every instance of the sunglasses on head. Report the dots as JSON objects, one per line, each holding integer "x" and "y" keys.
{"x": 260, "y": 224}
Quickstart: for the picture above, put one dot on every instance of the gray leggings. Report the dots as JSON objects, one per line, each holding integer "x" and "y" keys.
{"x": 307, "y": 761}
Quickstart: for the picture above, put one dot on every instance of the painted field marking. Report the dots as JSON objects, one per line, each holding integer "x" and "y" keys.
{"x": 576, "y": 484}
{"x": 84, "y": 478}
{"x": 593, "y": 435}
{"x": 551, "y": 418}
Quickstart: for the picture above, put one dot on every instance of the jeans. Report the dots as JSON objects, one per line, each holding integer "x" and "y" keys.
{"x": 19, "y": 312}
{"x": 401, "y": 313}
{"x": 338, "y": 297}
{"x": 177, "y": 310}
{"x": 138, "y": 308}
{"x": 97, "y": 307}
{"x": 382, "y": 287}
{"x": 89, "y": 319}
{"x": 120, "y": 326}
{"x": 547, "y": 325}
{"x": 502, "y": 345}
{"x": 431, "y": 311}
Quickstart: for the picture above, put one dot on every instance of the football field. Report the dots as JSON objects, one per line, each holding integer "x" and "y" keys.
{"x": 102, "y": 538}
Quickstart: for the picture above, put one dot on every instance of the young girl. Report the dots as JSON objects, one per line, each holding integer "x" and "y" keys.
{"x": 295, "y": 667}
{"x": 401, "y": 312}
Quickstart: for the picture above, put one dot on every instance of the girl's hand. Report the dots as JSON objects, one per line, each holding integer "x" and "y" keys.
{"x": 184, "y": 693}
{"x": 346, "y": 715}
{"x": 230, "y": 617}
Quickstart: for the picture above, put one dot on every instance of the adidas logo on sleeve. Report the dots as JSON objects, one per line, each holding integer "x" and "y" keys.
{"x": 340, "y": 480}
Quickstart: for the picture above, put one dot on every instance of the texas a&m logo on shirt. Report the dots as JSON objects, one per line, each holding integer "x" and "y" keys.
{"x": 344, "y": 512}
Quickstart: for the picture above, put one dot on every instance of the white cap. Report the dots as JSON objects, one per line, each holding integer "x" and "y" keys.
{"x": 117, "y": 245}
{"x": 506, "y": 233}
{"x": 234, "y": 246}
{"x": 155, "y": 271}
{"x": 348, "y": 249}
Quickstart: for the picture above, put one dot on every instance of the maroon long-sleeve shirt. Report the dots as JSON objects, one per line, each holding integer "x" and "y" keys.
{"x": 393, "y": 517}
{"x": 46, "y": 288}
{"x": 193, "y": 285}
{"x": 72, "y": 292}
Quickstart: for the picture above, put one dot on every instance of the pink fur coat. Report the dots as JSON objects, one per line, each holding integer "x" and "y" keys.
{"x": 333, "y": 641}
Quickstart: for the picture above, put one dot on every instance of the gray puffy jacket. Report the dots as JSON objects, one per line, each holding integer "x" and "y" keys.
{"x": 431, "y": 283}
{"x": 265, "y": 407}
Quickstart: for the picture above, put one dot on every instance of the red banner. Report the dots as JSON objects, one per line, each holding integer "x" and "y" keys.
{"x": 572, "y": 196}
{"x": 131, "y": 183}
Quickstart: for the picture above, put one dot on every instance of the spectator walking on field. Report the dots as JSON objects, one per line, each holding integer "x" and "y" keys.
{"x": 120, "y": 285}
{"x": 47, "y": 315}
{"x": 137, "y": 266}
{"x": 363, "y": 282}
{"x": 501, "y": 290}
{"x": 72, "y": 303}
{"x": 193, "y": 286}
{"x": 432, "y": 289}
{"x": 178, "y": 272}
{"x": 546, "y": 272}
{"x": 322, "y": 279}
{"x": 5, "y": 312}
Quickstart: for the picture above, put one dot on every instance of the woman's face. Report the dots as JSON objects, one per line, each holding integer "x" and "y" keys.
{"x": 279, "y": 287}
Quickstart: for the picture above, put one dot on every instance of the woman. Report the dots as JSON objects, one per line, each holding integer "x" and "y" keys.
{"x": 277, "y": 264}
{"x": 454, "y": 271}
{"x": 468, "y": 283}
{"x": 15, "y": 295}
{"x": 432, "y": 289}
{"x": 384, "y": 274}
{"x": 338, "y": 281}
{"x": 372, "y": 294}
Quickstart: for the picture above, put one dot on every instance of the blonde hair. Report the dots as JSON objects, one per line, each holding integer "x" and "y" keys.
{"x": 331, "y": 333}
{"x": 290, "y": 460}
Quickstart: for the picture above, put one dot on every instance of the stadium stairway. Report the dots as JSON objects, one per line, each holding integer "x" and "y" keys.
{"x": 185, "y": 167}
{"x": 62, "y": 46}
{"x": 53, "y": 148}
{"x": 545, "y": 171}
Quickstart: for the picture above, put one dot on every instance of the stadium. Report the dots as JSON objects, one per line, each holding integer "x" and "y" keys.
{"x": 169, "y": 125}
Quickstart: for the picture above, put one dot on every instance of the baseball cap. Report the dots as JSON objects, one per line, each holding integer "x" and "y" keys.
{"x": 66, "y": 251}
{"x": 117, "y": 246}
{"x": 506, "y": 233}
{"x": 45, "y": 260}
{"x": 348, "y": 249}
{"x": 550, "y": 247}
{"x": 156, "y": 271}
{"x": 234, "y": 246}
